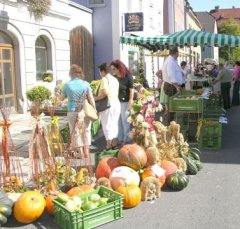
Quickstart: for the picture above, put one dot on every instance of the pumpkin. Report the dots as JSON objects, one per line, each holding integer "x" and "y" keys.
{"x": 149, "y": 172}
{"x": 133, "y": 156}
{"x": 49, "y": 203}
{"x": 79, "y": 190}
{"x": 132, "y": 195}
{"x": 169, "y": 167}
{"x": 123, "y": 175}
{"x": 177, "y": 181}
{"x": 105, "y": 166}
{"x": 29, "y": 207}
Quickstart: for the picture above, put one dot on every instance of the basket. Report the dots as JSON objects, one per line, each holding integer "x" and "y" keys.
{"x": 183, "y": 103}
{"x": 91, "y": 218}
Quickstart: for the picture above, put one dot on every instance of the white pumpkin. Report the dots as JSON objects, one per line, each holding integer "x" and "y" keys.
{"x": 123, "y": 175}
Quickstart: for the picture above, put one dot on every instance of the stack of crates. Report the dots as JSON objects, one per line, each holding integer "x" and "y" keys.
{"x": 211, "y": 130}
{"x": 210, "y": 135}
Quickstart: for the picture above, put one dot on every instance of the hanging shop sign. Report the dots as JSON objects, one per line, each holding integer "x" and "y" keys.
{"x": 133, "y": 22}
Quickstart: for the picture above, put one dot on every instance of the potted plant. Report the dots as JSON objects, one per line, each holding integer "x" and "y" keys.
{"x": 37, "y": 95}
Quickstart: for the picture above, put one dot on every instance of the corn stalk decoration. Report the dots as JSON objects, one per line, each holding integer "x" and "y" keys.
{"x": 42, "y": 161}
{"x": 39, "y": 8}
{"x": 77, "y": 153}
{"x": 11, "y": 176}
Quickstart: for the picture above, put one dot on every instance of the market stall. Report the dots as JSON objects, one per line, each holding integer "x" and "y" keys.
{"x": 193, "y": 103}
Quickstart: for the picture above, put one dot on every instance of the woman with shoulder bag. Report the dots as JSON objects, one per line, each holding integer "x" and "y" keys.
{"x": 77, "y": 90}
{"x": 109, "y": 87}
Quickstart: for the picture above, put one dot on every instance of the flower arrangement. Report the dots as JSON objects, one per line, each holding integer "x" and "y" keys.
{"x": 94, "y": 86}
{"x": 39, "y": 8}
{"x": 48, "y": 76}
{"x": 142, "y": 118}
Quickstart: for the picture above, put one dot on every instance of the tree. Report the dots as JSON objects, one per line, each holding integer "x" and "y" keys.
{"x": 232, "y": 27}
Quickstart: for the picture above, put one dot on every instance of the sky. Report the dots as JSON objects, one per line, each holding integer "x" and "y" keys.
{"x": 207, "y": 5}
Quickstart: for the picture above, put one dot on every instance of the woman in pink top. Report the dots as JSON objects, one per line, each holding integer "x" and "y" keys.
{"x": 236, "y": 77}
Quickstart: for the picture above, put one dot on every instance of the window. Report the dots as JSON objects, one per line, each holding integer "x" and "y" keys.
{"x": 43, "y": 54}
{"x": 96, "y": 3}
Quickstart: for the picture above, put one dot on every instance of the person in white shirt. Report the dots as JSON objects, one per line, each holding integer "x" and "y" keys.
{"x": 185, "y": 71}
{"x": 172, "y": 75}
{"x": 109, "y": 118}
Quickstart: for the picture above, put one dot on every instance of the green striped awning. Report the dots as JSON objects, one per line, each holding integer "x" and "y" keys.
{"x": 183, "y": 38}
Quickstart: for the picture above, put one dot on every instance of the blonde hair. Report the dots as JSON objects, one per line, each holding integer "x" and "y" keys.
{"x": 76, "y": 71}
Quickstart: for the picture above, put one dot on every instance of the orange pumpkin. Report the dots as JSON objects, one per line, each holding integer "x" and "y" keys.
{"x": 105, "y": 166}
{"x": 132, "y": 195}
{"x": 133, "y": 156}
{"x": 49, "y": 204}
{"x": 123, "y": 175}
{"x": 29, "y": 207}
{"x": 148, "y": 172}
{"x": 79, "y": 190}
{"x": 169, "y": 167}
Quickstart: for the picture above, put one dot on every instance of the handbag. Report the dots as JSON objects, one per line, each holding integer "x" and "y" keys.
{"x": 102, "y": 104}
{"x": 169, "y": 89}
{"x": 90, "y": 112}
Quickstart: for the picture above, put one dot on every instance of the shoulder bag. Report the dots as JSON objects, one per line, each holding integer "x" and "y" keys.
{"x": 102, "y": 104}
{"x": 90, "y": 112}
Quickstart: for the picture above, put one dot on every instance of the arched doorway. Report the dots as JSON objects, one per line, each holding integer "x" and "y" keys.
{"x": 7, "y": 73}
{"x": 81, "y": 50}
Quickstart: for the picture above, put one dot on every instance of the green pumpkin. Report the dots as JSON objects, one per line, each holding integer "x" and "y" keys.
{"x": 194, "y": 154}
{"x": 198, "y": 164}
{"x": 177, "y": 181}
{"x": 192, "y": 168}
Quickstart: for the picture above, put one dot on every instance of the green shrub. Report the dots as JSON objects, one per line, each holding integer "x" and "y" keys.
{"x": 38, "y": 93}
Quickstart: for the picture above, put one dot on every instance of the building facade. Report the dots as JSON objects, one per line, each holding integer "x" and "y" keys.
{"x": 109, "y": 24}
{"x": 29, "y": 48}
{"x": 209, "y": 24}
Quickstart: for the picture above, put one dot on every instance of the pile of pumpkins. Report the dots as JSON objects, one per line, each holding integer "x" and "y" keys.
{"x": 127, "y": 171}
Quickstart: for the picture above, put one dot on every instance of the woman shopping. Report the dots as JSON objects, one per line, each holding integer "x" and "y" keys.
{"x": 76, "y": 90}
{"x": 126, "y": 92}
{"x": 109, "y": 87}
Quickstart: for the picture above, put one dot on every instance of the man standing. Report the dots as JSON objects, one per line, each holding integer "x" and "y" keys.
{"x": 172, "y": 75}
{"x": 225, "y": 77}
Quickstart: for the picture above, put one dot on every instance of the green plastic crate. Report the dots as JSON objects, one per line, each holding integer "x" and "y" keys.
{"x": 214, "y": 142}
{"x": 182, "y": 103}
{"x": 91, "y": 218}
{"x": 211, "y": 136}
{"x": 105, "y": 153}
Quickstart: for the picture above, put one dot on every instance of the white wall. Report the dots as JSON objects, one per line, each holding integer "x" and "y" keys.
{"x": 56, "y": 26}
